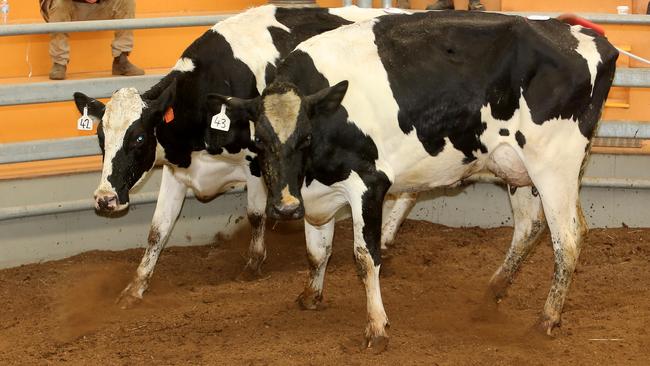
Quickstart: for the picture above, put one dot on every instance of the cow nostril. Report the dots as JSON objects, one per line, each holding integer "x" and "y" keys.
{"x": 286, "y": 210}
{"x": 106, "y": 202}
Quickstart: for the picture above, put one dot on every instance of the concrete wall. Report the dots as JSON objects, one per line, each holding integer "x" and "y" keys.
{"x": 48, "y": 237}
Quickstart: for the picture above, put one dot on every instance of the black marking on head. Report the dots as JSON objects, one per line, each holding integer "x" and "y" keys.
{"x": 133, "y": 160}
{"x": 504, "y": 132}
{"x": 521, "y": 139}
{"x": 513, "y": 190}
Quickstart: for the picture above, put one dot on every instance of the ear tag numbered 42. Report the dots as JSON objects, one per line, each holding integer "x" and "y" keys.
{"x": 85, "y": 123}
{"x": 220, "y": 121}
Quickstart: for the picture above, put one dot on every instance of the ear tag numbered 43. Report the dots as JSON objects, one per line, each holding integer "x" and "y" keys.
{"x": 85, "y": 123}
{"x": 220, "y": 121}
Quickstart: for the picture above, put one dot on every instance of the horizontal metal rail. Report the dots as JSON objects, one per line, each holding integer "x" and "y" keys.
{"x": 112, "y": 24}
{"x": 58, "y": 91}
{"x": 21, "y": 152}
{"x": 73, "y": 147}
{"x": 10, "y": 213}
{"x": 209, "y": 20}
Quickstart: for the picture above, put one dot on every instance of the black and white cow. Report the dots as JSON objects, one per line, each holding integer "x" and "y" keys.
{"x": 167, "y": 125}
{"x": 411, "y": 102}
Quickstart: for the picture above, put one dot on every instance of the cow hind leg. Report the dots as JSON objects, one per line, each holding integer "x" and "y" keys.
{"x": 559, "y": 190}
{"x": 168, "y": 206}
{"x": 396, "y": 209}
{"x": 530, "y": 224}
{"x": 319, "y": 249}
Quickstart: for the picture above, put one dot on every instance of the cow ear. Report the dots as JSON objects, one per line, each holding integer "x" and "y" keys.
{"x": 166, "y": 98}
{"x": 247, "y": 109}
{"x": 95, "y": 107}
{"x": 327, "y": 100}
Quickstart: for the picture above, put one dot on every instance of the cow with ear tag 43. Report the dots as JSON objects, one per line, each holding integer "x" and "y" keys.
{"x": 407, "y": 103}
{"x": 167, "y": 124}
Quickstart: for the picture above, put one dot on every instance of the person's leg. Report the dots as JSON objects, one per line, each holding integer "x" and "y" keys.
{"x": 403, "y": 4}
{"x": 123, "y": 42}
{"x": 475, "y": 5}
{"x": 442, "y": 5}
{"x": 60, "y": 11}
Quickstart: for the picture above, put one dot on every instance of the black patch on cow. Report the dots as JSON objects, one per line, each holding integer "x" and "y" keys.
{"x": 133, "y": 160}
{"x": 269, "y": 73}
{"x": 513, "y": 190}
{"x": 521, "y": 139}
{"x": 504, "y": 132}
{"x": 441, "y": 94}
{"x": 254, "y": 167}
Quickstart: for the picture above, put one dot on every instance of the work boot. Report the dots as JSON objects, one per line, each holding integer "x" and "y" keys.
{"x": 442, "y": 5}
{"x": 57, "y": 72}
{"x": 403, "y": 4}
{"x": 475, "y": 5}
{"x": 122, "y": 66}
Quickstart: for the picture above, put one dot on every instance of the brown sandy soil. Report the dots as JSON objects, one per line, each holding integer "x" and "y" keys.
{"x": 195, "y": 313}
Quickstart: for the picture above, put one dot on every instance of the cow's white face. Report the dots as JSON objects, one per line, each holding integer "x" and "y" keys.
{"x": 128, "y": 141}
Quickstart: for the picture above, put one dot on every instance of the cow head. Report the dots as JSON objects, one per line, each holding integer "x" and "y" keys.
{"x": 127, "y": 139}
{"x": 283, "y": 120}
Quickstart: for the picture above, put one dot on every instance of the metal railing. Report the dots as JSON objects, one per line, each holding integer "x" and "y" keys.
{"x": 87, "y": 146}
{"x": 209, "y": 20}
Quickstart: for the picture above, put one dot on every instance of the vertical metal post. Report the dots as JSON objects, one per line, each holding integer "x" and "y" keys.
{"x": 386, "y": 3}
{"x": 347, "y": 3}
{"x": 364, "y": 3}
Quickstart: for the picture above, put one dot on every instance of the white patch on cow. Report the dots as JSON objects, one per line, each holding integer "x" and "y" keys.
{"x": 184, "y": 64}
{"x": 356, "y": 14}
{"x": 282, "y": 111}
{"x": 124, "y": 107}
{"x": 287, "y": 198}
{"x": 587, "y": 49}
{"x": 250, "y": 40}
{"x": 209, "y": 175}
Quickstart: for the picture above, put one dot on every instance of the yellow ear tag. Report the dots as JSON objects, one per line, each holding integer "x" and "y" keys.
{"x": 169, "y": 115}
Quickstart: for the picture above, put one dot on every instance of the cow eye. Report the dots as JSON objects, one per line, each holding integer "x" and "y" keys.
{"x": 257, "y": 140}
{"x": 305, "y": 142}
{"x": 139, "y": 139}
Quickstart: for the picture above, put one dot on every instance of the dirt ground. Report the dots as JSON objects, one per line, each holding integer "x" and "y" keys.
{"x": 196, "y": 313}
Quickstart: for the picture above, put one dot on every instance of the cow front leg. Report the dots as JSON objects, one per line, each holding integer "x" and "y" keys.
{"x": 530, "y": 224}
{"x": 256, "y": 197}
{"x": 168, "y": 206}
{"x": 366, "y": 200}
{"x": 396, "y": 209}
{"x": 568, "y": 229}
{"x": 319, "y": 249}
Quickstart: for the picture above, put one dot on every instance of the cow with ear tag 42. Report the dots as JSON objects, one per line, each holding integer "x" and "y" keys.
{"x": 167, "y": 124}
{"x": 411, "y": 102}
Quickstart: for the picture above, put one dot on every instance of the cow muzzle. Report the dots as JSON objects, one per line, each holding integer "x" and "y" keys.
{"x": 281, "y": 211}
{"x": 107, "y": 202}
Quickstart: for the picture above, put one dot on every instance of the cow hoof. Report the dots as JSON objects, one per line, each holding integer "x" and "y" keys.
{"x": 310, "y": 300}
{"x": 545, "y": 326}
{"x": 250, "y": 273}
{"x": 377, "y": 344}
{"x": 127, "y": 300}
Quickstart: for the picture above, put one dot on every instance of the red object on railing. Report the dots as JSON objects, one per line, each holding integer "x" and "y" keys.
{"x": 576, "y": 20}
